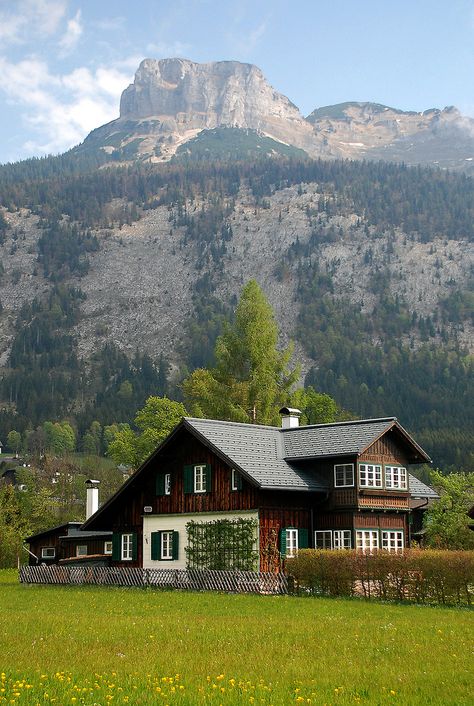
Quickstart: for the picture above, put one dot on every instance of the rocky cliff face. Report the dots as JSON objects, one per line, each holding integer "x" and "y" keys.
{"x": 171, "y": 101}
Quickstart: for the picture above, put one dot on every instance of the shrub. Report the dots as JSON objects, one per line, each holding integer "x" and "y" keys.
{"x": 417, "y": 575}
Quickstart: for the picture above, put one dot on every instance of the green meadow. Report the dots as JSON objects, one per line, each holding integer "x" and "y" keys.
{"x": 98, "y": 646}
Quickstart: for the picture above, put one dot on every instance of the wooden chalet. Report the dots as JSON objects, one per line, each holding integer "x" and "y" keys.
{"x": 329, "y": 486}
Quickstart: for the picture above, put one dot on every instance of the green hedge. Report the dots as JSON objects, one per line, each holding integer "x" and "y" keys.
{"x": 417, "y": 575}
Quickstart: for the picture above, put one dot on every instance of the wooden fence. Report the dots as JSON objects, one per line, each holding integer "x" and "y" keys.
{"x": 190, "y": 579}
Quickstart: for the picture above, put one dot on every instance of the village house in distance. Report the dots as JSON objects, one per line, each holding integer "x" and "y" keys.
{"x": 343, "y": 485}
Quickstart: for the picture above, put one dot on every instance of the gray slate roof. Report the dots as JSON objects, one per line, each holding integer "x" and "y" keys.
{"x": 421, "y": 490}
{"x": 257, "y": 451}
{"x": 321, "y": 440}
{"x": 269, "y": 455}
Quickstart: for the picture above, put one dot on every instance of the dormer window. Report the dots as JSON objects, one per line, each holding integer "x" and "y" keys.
{"x": 344, "y": 475}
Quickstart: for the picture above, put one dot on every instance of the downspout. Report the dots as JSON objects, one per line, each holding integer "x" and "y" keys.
{"x": 31, "y": 553}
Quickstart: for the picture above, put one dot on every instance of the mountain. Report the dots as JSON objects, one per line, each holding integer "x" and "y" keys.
{"x": 115, "y": 281}
{"x": 174, "y": 101}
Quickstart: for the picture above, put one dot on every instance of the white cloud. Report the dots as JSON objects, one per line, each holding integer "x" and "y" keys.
{"x": 31, "y": 19}
{"x": 72, "y": 35}
{"x": 61, "y": 109}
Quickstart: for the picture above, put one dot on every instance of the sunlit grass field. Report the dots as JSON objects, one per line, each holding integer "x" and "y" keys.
{"x": 94, "y": 645}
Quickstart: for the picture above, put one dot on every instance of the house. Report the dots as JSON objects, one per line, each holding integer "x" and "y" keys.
{"x": 342, "y": 485}
{"x": 68, "y": 544}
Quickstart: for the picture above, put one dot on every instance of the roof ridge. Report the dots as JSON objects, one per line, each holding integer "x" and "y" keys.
{"x": 228, "y": 421}
{"x": 351, "y": 422}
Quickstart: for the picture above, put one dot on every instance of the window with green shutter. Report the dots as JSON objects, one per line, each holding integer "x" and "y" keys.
{"x": 160, "y": 483}
{"x": 235, "y": 480}
{"x": 198, "y": 478}
{"x": 292, "y": 539}
{"x": 165, "y": 545}
{"x": 303, "y": 539}
{"x": 116, "y": 546}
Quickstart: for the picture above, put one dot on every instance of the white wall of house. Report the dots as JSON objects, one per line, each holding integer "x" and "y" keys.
{"x": 177, "y": 523}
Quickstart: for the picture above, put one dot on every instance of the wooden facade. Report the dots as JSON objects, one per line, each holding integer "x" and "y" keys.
{"x": 290, "y": 513}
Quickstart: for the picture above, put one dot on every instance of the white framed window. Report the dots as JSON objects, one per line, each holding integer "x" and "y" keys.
{"x": 396, "y": 478}
{"x": 323, "y": 539}
{"x": 167, "y": 483}
{"x": 344, "y": 475}
{"x": 81, "y": 550}
{"x": 167, "y": 545}
{"x": 235, "y": 480}
{"x": 291, "y": 542}
{"x": 48, "y": 552}
{"x": 108, "y": 547}
{"x": 370, "y": 475}
{"x": 200, "y": 479}
{"x": 342, "y": 539}
{"x": 127, "y": 547}
{"x": 367, "y": 540}
{"x": 392, "y": 540}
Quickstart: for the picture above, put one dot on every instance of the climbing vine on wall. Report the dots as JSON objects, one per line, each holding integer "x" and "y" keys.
{"x": 222, "y": 544}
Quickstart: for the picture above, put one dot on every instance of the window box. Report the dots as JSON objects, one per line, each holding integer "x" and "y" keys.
{"x": 396, "y": 478}
{"x": 344, "y": 475}
{"x": 165, "y": 545}
{"x": 370, "y": 475}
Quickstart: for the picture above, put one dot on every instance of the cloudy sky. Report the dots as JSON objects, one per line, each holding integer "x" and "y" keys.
{"x": 64, "y": 63}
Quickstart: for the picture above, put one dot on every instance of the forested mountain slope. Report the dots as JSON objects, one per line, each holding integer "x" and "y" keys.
{"x": 115, "y": 281}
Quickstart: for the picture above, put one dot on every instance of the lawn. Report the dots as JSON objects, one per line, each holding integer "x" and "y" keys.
{"x": 94, "y": 645}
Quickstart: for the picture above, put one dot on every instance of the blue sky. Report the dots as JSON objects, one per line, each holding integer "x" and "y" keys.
{"x": 64, "y": 63}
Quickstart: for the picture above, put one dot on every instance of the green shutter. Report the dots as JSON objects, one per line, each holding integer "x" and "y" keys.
{"x": 283, "y": 542}
{"x": 160, "y": 483}
{"x": 208, "y": 478}
{"x": 116, "y": 546}
{"x": 238, "y": 480}
{"x": 189, "y": 479}
{"x": 175, "y": 545}
{"x": 156, "y": 546}
{"x": 302, "y": 539}
{"x": 134, "y": 547}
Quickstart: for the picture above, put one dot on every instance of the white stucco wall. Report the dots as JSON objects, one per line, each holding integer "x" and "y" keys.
{"x": 177, "y": 523}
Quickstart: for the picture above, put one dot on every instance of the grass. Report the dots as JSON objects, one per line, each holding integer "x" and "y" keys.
{"x": 93, "y": 645}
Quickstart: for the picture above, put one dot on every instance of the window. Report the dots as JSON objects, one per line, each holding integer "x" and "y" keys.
{"x": 323, "y": 539}
{"x": 236, "y": 480}
{"x": 367, "y": 540}
{"x": 342, "y": 539}
{"x": 344, "y": 475}
{"x": 167, "y": 488}
{"x": 291, "y": 542}
{"x": 395, "y": 478}
{"x": 127, "y": 547}
{"x": 81, "y": 550}
{"x": 370, "y": 476}
{"x": 199, "y": 479}
{"x": 164, "y": 545}
{"x": 108, "y": 547}
{"x": 392, "y": 540}
{"x": 48, "y": 552}
{"x": 333, "y": 539}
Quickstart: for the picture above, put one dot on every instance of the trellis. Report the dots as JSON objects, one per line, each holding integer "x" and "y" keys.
{"x": 222, "y": 544}
{"x": 188, "y": 579}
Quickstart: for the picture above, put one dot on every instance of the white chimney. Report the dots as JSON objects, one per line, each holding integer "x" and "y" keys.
{"x": 290, "y": 418}
{"x": 92, "y": 500}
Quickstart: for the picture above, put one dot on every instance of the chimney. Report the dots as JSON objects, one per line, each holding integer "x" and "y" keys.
{"x": 92, "y": 501}
{"x": 290, "y": 418}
